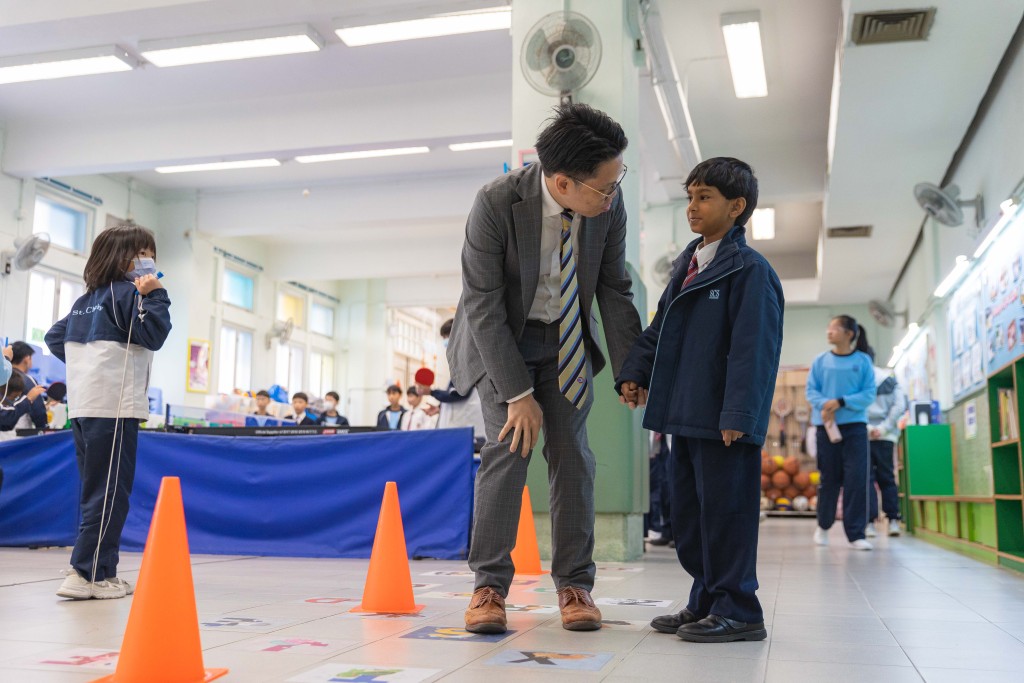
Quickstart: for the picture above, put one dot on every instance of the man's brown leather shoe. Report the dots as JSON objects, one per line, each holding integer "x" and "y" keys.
{"x": 579, "y": 613}
{"x": 486, "y": 613}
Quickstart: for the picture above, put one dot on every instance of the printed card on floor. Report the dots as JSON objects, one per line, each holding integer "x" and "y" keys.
{"x": 538, "y": 659}
{"x": 363, "y": 673}
{"x": 295, "y": 645}
{"x": 448, "y": 573}
{"x": 257, "y": 624}
{"x": 80, "y": 658}
{"x": 523, "y": 582}
{"x": 424, "y": 614}
{"x": 620, "y": 568}
{"x": 599, "y": 579}
{"x": 608, "y": 624}
{"x": 545, "y": 589}
{"x": 424, "y": 586}
{"x": 456, "y": 633}
{"x": 446, "y": 596}
{"x": 532, "y": 609}
{"x": 633, "y": 602}
{"x": 327, "y": 600}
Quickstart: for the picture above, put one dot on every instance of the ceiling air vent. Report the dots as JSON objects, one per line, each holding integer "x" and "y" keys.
{"x": 893, "y": 26}
{"x": 850, "y": 231}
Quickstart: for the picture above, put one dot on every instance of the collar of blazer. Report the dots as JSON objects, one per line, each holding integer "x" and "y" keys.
{"x": 728, "y": 252}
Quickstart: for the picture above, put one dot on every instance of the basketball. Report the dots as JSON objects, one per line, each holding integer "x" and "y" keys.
{"x": 768, "y": 466}
{"x": 791, "y": 492}
{"x": 780, "y": 480}
{"x": 791, "y": 465}
{"x": 801, "y": 480}
{"x": 772, "y": 494}
{"x": 813, "y": 502}
{"x": 766, "y": 482}
{"x": 811, "y": 491}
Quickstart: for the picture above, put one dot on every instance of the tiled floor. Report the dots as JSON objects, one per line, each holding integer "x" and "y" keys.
{"x": 906, "y": 612}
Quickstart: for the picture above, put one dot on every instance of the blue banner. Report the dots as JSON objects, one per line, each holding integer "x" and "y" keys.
{"x": 316, "y": 496}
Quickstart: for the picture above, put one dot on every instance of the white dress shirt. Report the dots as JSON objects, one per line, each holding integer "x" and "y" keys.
{"x": 706, "y": 254}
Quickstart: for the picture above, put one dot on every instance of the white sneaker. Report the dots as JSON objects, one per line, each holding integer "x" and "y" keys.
{"x": 74, "y": 586}
{"x": 894, "y": 527}
{"x": 869, "y": 531}
{"x": 116, "y": 581}
{"x": 861, "y": 544}
{"x": 820, "y": 536}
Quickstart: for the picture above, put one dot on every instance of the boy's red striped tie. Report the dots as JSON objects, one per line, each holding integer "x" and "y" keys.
{"x": 691, "y": 272}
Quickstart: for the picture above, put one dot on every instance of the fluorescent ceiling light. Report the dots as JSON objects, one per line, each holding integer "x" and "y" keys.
{"x": 267, "y": 42}
{"x": 1008, "y": 212}
{"x": 491, "y": 19}
{"x": 486, "y": 144}
{"x": 954, "y": 277}
{"x": 364, "y": 154}
{"x": 742, "y": 32}
{"x": 219, "y": 166}
{"x": 85, "y": 62}
{"x": 910, "y": 336}
{"x": 763, "y": 224}
{"x": 897, "y": 353}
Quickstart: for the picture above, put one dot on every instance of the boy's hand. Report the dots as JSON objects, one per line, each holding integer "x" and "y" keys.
{"x": 730, "y": 435}
{"x": 147, "y": 283}
{"x": 431, "y": 411}
{"x": 423, "y": 389}
{"x": 524, "y": 420}
{"x": 632, "y": 394}
{"x": 35, "y": 392}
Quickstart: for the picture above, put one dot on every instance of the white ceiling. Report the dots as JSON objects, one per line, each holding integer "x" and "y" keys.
{"x": 906, "y": 103}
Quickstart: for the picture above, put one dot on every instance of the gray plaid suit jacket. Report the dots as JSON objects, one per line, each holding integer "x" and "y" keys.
{"x": 500, "y": 271}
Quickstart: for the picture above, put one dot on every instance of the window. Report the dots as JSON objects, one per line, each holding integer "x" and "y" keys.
{"x": 66, "y": 225}
{"x": 235, "y": 363}
{"x": 321, "y": 373}
{"x": 289, "y": 368}
{"x": 238, "y": 289}
{"x": 291, "y": 306}
{"x": 50, "y": 298}
{"x": 321, "y": 319}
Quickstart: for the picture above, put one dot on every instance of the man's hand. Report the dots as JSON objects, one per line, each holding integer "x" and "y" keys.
{"x": 9, "y": 352}
{"x": 730, "y": 435}
{"x": 35, "y": 392}
{"x": 147, "y": 283}
{"x": 632, "y": 395}
{"x": 524, "y": 421}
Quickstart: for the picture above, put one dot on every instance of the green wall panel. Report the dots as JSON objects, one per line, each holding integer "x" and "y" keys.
{"x": 973, "y": 456}
{"x": 929, "y": 458}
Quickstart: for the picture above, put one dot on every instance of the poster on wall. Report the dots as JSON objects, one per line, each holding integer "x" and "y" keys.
{"x": 966, "y": 341}
{"x": 198, "y": 379}
{"x": 1002, "y": 300}
{"x": 915, "y": 370}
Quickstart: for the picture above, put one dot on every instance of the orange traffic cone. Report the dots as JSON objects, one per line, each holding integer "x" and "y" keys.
{"x": 388, "y": 581}
{"x": 161, "y": 641}
{"x": 526, "y": 556}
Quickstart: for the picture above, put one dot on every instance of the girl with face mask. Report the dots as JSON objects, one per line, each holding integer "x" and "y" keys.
{"x": 331, "y": 416}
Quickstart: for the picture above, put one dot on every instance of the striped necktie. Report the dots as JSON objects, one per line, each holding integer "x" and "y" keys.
{"x": 691, "y": 272}
{"x": 572, "y": 359}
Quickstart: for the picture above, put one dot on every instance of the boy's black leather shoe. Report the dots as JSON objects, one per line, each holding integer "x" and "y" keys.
{"x": 716, "y": 629}
{"x": 670, "y": 623}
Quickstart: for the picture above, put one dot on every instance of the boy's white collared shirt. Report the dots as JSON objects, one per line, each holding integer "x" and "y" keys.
{"x": 706, "y": 254}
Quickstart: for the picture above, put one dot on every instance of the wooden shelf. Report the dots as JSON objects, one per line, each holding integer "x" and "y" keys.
{"x": 1008, "y": 442}
{"x": 1008, "y": 496}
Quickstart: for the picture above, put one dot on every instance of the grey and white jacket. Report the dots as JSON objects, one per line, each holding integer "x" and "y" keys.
{"x": 890, "y": 404}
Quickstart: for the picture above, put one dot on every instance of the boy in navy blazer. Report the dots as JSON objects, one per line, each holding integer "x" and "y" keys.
{"x": 706, "y": 369}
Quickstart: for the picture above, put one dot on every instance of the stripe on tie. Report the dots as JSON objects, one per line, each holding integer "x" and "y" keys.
{"x": 572, "y": 357}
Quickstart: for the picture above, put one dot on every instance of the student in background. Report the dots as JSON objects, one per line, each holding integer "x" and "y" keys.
{"x": 6, "y": 369}
{"x": 21, "y": 360}
{"x": 261, "y": 416}
{"x": 331, "y": 417}
{"x": 16, "y": 403}
{"x": 883, "y": 433}
{"x": 416, "y": 417}
{"x": 299, "y": 403}
{"x": 391, "y": 417}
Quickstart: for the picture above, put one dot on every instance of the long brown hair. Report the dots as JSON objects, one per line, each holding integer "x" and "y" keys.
{"x": 112, "y": 251}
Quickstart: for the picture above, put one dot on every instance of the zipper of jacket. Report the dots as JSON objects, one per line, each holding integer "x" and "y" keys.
{"x": 672, "y": 303}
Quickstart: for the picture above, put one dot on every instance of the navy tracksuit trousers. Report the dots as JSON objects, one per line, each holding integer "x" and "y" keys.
{"x": 844, "y": 465}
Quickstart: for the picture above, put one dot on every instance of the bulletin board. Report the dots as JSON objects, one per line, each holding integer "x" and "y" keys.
{"x": 973, "y": 456}
{"x": 1001, "y": 279}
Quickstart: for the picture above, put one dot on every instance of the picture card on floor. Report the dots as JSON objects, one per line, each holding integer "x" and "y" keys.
{"x": 79, "y": 658}
{"x": 423, "y": 614}
{"x": 532, "y": 609}
{"x": 633, "y": 602}
{"x": 539, "y": 659}
{"x": 456, "y": 633}
{"x": 619, "y": 568}
{"x": 609, "y": 624}
{"x": 258, "y": 624}
{"x": 448, "y": 573}
{"x": 294, "y": 645}
{"x": 424, "y": 586}
{"x": 326, "y": 600}
{"x": 446, "y": 596}
{"x": 340, "y": 673}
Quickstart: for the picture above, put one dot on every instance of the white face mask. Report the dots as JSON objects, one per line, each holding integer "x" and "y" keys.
{"x": 329, "y": 405}
{"x": 444, "y": 343}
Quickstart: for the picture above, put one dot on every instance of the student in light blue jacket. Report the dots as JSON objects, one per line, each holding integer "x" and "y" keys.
{"x": 840, "y": 387}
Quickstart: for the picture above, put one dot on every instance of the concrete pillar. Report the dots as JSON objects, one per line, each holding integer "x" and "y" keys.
{"x": 616, "y": 437}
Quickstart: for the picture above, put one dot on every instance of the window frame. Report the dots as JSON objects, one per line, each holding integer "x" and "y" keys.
{"x": 60, "y": 277}
{"x": 238, "y": 330}
{"x": 75, "y": 205}
{"x": 239, "y": 271}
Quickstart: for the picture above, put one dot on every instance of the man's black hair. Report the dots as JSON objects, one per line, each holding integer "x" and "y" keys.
{"x": 732, "y": 177}
{"x": 577, "y": 139}
{"x": 20, "y": 351}
{"x": 446, "y": 327}
{"x": 300, "y": 394}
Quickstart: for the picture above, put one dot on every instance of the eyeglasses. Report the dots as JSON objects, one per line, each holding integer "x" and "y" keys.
{"x": 615, "y": 187}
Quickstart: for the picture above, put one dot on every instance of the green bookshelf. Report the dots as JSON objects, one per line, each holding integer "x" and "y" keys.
{"x": 1007, "y": 482}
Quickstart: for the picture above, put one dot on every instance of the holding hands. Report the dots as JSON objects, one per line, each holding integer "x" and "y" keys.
{"x": 632, "y": 395}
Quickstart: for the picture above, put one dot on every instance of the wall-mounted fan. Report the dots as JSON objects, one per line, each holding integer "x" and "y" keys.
{"x": 561, "y": 54}
{"x": 661, "y": 271}
{"x": 944, "y": 204}
{"x": 882, "y": 312}
{"x": 281, "y": 331}
{"x": 27, "y": 253}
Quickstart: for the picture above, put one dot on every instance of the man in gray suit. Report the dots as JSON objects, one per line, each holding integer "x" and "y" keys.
{"x": 541, "y": 243}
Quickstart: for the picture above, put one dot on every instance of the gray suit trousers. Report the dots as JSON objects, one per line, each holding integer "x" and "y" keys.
{"x": 502, "y": 475}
